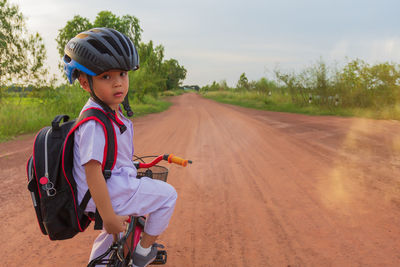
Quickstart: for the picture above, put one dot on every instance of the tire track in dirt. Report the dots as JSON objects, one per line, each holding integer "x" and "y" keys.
{"x": 265, "y": 189}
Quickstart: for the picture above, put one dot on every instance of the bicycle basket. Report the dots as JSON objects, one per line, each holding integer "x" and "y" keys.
{"x": 156, "y": 172}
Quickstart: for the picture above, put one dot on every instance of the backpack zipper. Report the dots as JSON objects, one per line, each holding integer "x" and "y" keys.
{"x": 46, "y": 164}
{"x": 48, "y": 186}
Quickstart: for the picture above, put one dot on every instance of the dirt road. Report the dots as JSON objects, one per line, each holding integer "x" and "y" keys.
{"x": 265, "y": 189}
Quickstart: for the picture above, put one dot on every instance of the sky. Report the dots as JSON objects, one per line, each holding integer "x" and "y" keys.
{"x": 218, "y": 40}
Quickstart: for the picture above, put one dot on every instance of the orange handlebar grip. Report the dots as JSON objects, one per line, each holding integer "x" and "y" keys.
{"x": 177, "y": 160}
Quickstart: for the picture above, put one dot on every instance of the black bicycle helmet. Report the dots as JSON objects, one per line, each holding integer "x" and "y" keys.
{"x": 96, "y": 51}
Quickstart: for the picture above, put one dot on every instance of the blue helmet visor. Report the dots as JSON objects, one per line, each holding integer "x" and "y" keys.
{"x": 71, "y": 66}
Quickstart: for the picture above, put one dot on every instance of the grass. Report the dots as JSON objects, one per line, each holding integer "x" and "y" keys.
{"x": 28, "y": 115}
{"x": 283, "y": 103}
{"x": 149, "y": 105}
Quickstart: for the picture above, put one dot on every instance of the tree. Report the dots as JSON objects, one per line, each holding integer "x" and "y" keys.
{"x": 243, "y": 83}
{"x": 151, "y": 56}
{"x": 76, "y": 25}
{"x": 154, "y": 75}
{"x": 174, "y": 73}
{"x": 149, "y": 79}
{"x": 128, "y": 25}
{"x": 22, "y": 54}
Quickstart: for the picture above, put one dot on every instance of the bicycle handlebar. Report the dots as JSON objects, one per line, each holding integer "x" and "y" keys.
{"x": 171, "y": 158}
{"x": 177, "y": 160}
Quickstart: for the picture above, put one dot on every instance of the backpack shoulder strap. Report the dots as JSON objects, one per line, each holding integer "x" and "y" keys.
{"x": 110, "y": 156}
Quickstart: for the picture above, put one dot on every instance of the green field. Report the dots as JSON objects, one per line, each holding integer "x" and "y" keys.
{"x": 23, "y": 115}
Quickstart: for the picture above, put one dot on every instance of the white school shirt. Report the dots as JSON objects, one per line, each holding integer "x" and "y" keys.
{"x": 89, "y": 145}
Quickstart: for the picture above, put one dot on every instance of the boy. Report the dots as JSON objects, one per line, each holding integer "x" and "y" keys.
{"x": 100, "y": 59}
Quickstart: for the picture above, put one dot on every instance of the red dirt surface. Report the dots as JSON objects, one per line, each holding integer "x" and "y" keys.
{"x": 265, "y": 189}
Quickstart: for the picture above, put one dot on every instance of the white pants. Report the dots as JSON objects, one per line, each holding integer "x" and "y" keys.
{"x": 153, "y": 198}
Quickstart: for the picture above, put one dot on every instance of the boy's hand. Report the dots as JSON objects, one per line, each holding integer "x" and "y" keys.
{"x": 115, "y": 224}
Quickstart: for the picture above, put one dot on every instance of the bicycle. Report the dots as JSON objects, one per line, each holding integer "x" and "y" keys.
{"x": 121, "y": 251}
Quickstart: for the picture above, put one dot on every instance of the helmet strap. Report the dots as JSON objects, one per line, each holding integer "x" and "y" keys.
{"x": 126, "y": 106}
{"x": 95, "y": 98}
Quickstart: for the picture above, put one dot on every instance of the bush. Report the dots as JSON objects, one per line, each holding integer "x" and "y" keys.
{"x": 357, "y": 88}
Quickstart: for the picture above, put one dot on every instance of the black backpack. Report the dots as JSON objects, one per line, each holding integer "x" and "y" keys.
{"x": 50, "y": 180}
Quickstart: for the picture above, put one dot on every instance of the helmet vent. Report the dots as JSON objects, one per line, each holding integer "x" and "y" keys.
{"x": 127, "y": 49}
{"x": 82, "y": 51}
{"x": 113, "y": 44}
{"x": 131, "y": 48}
{"x": 98, "y": 46}
{"x": 78, "y": 49}
{"x": 123, "y": 40}
{"x": 91, "y": 57}
{"x": 67, "y": 59}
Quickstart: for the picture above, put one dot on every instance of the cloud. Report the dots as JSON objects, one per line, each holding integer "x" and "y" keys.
{"x": 226, "y": 38}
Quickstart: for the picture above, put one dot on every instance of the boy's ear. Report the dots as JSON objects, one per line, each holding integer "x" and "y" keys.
{"x": 84, "y": 82}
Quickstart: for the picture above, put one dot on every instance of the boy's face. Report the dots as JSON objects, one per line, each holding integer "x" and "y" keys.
{"x": 110, "y": 86}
